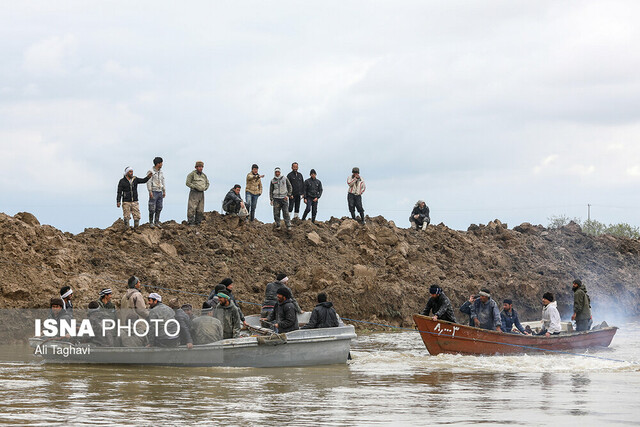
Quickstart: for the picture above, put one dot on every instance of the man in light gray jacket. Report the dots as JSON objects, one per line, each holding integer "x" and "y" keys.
{"x": 163, "y": 326}
{"x": 157, "y": 192}
{"x": 280, "y": 191}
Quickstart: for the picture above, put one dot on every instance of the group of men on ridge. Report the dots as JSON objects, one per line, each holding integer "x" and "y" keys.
{"x": 484, "y": 313}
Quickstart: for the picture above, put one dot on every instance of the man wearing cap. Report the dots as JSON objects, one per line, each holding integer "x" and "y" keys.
{"x": 550, "y": 316}
{"x": 323, "y": 314}
{"x": 162, "y": 332}
{"x": 205, "y": 328}
{"x": 284, "y": 317}
{"x": 581, "y": 306}
{"x": 105, "y": 304}
{"x": 228, "y": 315}
{"x": 184, "y": 321}
{"x": 466, "y": 308}
{"x": 228, "y": 284}
{"x": 232, "y": 202}
{"x": 419, "y": 217}
{"x": 485, "y": 313}
{"x": 280, "y": 191}
{"x": 157, "y": 192}
{"x": 509, "y": 318}
{"x": 65, "y": 295}
{"x": 312, "y": 192}
{"x": 354, "y": 195}
{"x": 128, "y": 194}
{"x": 253, "y": 190}
{"x": 271, "y": 295}
{"x": 440, "y": 305}
{"x": 198, "y": 182}
{"x": 297, "y": 185}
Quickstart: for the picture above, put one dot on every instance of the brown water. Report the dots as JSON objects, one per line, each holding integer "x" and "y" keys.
{"x": 390, "y": 381}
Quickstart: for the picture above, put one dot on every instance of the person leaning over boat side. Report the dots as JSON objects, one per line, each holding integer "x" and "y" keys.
{"x": 323, "y": 314}
{"x": 65, "y": 295}
{"x": 198, "y": 182}
{"x": 419, "y": 217}
{"x": 280, "y": 191}
{"x": 162, "y": 333}
{"x": 440, "y": 305}
{"x": 97, "y": 316}
{"x": 284, "y": 316}
{"x": 184, "y": 321}
{"x": 227, "y": 314}
{"x": 354, "y": 194}
{"x": 128, "y": 193}
{"x": 228, "y": 283}
{"x": 466, "y": 308}
{"x": 157, "y": 192}
{"x": 271, "y": 295}
{"x": 297, "y": 185}
{"x": 550, "y": 316}
{"x": 253, "y": 190}
{"x": 205, "y": 328}
{"x": 581, "y": 306}
{"x": 509, "y": 318}
{"x": 484, "y": 312}
{"x": 312, "y": 193}
{"x": 105, "y": 304}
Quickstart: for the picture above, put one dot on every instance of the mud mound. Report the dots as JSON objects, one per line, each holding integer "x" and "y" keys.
{"x": 377, "y": 272}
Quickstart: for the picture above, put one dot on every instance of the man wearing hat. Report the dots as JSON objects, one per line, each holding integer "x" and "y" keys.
{"x": 271, "y": 295}
{"x": 280, "y": 190}
{"x": 228, "y": 315}
{"x": 198, "y": 182}
{"x": 551, "y": 324}
{"x": 157, "y": 192}
{"x": 312, "y": 192}
{"x": 284, "y": 317}
{"x": 354, "y": 195}
{"x": 581, "y": 306}
{"x": 228, "y": 284}
{"x": 253, "y": 190}
{"x": 128, "y": 194}
{"x": 105, "y": 304}
{"x": 162, "y": 333}
{"x": 65, "y": 295}
{"x": 205, "y": 328}
{"x": 440, "y": 305}
{"x": 509, "y": 318}
{"x": 485, "y": 313}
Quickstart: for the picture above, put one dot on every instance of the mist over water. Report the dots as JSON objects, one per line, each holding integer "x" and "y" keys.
{"x": 391, "y": 380}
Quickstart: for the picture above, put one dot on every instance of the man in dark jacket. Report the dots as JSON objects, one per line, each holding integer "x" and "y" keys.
{"x": 284, "y": 316}
{"x": 184, "y": 321}
{"x": 419, "y": 218}
{"x": 97, "y": 316}
{"x": 271, "y": 293}
{"x": 128, "y": 194}
{"x": 65, "y": 295}
{"x": 509, "y": 318}
{"x": 581, "y": 306}
{"x": 312, "y": 192}
{"x": 440, "y": 305}
{"x": 323, "y": 315}
{"x": 232, "y": 201}
{"x": 297, "y": 182}
{"x": 228, "y": 284}
{"x": 466, "y": 308}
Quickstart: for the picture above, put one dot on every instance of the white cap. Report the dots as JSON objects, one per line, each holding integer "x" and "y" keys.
{"x": 155, "y": 296}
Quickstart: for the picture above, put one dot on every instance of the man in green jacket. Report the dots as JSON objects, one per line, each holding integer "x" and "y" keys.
{"x": 198, "y": 182}
{"x": 581, "y": 306}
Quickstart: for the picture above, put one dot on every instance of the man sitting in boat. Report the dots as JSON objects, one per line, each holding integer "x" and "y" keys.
{"x": 97, "y": 315}
{"x": 550, "y": 316}
{"x": 284, "y": 315}
{"x": 440, "y": 305}
{"x": 466, "y": 308}
{"x": 105, "y": 304}
{"x": 205, "y": 328}
{"x": 65, "y": 295}
{"x": 270, "y": 295}
{"x": 227, "y": 313}
{"x": 161, "y": 313}
{"x": 509, "y": 318}
{"x": 485, "y": 313}
{"x": 323, "y": 314}
{"x": 184, "y": 321}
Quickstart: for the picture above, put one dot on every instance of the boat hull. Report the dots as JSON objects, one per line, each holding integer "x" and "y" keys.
{"x": 445, "y": 337}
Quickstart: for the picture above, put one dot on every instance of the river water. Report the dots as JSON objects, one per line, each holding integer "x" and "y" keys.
{"x": 392, "y": 380}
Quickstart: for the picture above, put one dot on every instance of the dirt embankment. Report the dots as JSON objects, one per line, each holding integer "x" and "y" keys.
{"x": 376, "y": 273}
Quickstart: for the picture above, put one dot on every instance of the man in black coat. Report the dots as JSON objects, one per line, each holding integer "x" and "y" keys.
{"x": 312, "y": 192}
{"x": 232, "y": 201}
{"x": 284, "y": 315}
{"x": 419, "y": 218}
{"x": 297, "y": 182}
{"x": 128, "y": 194}
{"x": 323, "y": 315}
{"x": 440, "y": 305}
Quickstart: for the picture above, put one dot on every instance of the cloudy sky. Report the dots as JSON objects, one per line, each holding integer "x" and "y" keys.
{"x": 494, "y": 109}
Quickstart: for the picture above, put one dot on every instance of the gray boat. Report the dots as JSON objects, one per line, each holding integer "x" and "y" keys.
{"x": 305, "y": 347}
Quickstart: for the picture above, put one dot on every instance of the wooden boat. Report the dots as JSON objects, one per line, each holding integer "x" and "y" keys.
{"x": 305, "y": 347}
{"x": 445, "y": 337}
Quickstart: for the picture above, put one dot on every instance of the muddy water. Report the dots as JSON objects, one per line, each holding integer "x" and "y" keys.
{"x": 391, "y": 380}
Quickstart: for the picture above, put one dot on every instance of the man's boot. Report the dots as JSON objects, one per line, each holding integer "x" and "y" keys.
{"x": 151, "y": 219}
{"x": 424, "y": 226}
{"x": 136, "y": 223}
{"x": 157, "y": 220}
{"x": 276, "y": 225}
{"x": 295, "y": 215}
{"x": 126, "y": 224}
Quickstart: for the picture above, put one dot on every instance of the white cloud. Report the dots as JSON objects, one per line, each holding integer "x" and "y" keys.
{"x": 51, "y": 56}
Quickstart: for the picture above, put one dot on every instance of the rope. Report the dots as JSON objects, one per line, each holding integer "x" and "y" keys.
{"x": 494, "y": 342}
